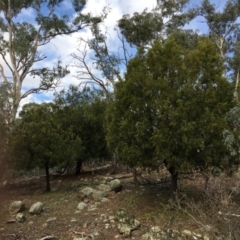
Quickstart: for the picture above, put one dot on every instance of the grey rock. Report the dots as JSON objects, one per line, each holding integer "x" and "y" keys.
{"x": 81, "y": 206}
{"x": 36, "y": 208}
{"x": 103, "y": 217}
{"x": 92, "y": 208}
{"x": 20, "y": 217}
{"x": 125, "y": 229}
{"x": 105, "y": 200}
{"x": 104, "y": 187}
{"x": 73, "y": 220}
{"x": 115, "y": 185}
{"x": 94, "y": 194}
{"x": 16, "y": 207}
{"x": 187, "y": 233}
{"x": 52, "y": 219}
{"x": 98, "y": 195}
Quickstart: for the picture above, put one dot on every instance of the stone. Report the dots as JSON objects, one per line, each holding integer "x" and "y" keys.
{"x": 98, "y": 195}
{"x": 105, "y": 200}
{"x": 155, "y": 229}
{"x": 81, "y": 206}
{"x": 92, "y": 208}
{"x": 107, "y": 225}
{"x": 36, "y": 208}
{"x": 16, "y": 207}
{"x": 104, "y": 187}
{"x": 94, "y": 194}
{"x": 20, "y": 217}
{"x": 87, "y": 191}
{"x": 115, "y": 185}
{"x": 125, "y": 229}
{"x": 187, "y": 233}
{"x": 52, "y": 219}
{"x": 103, "y": 217}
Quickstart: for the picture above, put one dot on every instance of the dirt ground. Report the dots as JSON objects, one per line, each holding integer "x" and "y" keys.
{"x": 149, "y": 204}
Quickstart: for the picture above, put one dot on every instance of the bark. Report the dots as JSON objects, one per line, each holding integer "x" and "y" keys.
{"x": 78, "y": 167}
{"x": 174, "y": 181}
{"x": 47, "y": 176}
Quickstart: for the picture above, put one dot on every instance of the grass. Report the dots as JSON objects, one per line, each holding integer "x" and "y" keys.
{"x": 149, "y": 204}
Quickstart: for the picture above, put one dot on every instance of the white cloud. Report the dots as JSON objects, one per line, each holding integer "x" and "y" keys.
{"x": 61, "y": 47}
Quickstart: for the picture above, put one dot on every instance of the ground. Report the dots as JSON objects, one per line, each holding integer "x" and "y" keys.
{"x": 147, "y": 203}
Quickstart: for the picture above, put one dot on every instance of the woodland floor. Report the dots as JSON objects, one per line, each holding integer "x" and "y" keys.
{"x": 147, "y": 203}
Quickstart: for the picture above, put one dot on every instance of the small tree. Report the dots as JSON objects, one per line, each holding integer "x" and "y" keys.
{"x": 40, "y": 139}
{"x": 172, "y": 107}
{"x": 84, "y": 110}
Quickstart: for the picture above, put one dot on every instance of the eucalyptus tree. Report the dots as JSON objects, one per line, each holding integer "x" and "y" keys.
{"x": 40, "y": 139}
{"x": 171, "y": 108}
{"x": 108, "y": 63}
{"x": 22, "y": 39}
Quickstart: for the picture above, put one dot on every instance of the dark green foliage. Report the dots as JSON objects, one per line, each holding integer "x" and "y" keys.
{"x": 142, "y": 29}
{"x": 41, "y": 140}
{"x": 84, "y": 110}
{"x": 171, "y": 108}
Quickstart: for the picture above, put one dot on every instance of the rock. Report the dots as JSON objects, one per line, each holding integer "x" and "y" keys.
{"x": 115, "y": 185}
{"x": 36, "y": 208}
{"x": 20, "y": 217}
{"x": 16, "y": 207}
{"x": 187, "y": 233}
{"x": 104, "y": 187}
{"x": 81, "y": 206}
{"x": 73, "y": 220}
{"x": 105, "y": 200}
{"x": 127, "y": 224}
{"x": 103, "y": 217}
{"x": 92, "y": 208}
{"x": 108, "y": 179}
{"x": 125, "y": 229}
{"x": 107, "y": 226}
{"x": 98, "y": 195}
{"x": 155, "y": 229}
{"x": 52, "y": 219}
{"x": 87, "y": 191}
{"x": 94, "y": 194}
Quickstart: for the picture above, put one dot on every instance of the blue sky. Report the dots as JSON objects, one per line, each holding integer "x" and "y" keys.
{"x": 61, "y": 47}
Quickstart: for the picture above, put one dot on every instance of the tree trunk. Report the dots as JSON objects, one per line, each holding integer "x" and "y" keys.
{"x": 47, "y": 176}
{"x": 174, "y": 181}
{"x": 78, "y": 167}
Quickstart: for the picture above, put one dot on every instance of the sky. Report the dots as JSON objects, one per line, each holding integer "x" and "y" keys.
{"x": 61, "y": 47}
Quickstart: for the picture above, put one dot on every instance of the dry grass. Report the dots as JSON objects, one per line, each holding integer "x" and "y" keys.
{"x": 149, "y": 204}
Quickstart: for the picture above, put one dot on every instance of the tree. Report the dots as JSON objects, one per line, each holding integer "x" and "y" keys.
{"x": 171, "y": 108}
{"x": 139, "y": 30}
{"x": 20, "y": 43}
{"x": 40, "y": 139}
{"x": 223, "y": 29}
{"x": 84, "y": 110}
